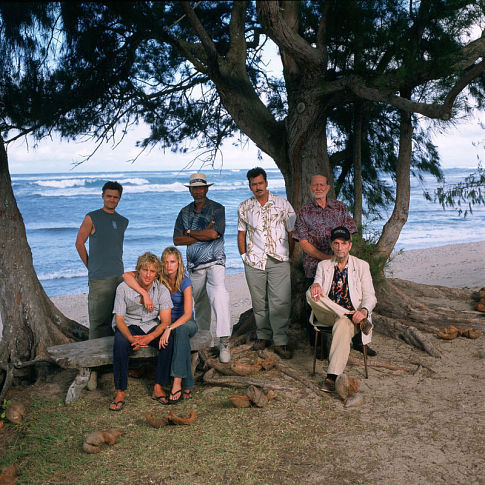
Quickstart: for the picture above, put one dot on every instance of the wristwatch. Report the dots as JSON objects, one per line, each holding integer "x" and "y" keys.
{"x": 187, "y": 232}
{"x": 169, "y": 327}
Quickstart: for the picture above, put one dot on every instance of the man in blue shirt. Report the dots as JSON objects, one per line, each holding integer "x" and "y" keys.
{"x": 200, "y": 226}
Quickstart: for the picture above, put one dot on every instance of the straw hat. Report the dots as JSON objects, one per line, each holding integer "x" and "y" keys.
{"x": 198, "y": 180}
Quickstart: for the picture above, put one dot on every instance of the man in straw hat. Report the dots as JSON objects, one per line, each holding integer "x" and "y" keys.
{"x": 200, "y": 226}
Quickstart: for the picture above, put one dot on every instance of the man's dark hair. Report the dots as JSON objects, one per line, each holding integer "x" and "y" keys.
{"x": 112, "y": 186}
{"x": 256, "y": 172}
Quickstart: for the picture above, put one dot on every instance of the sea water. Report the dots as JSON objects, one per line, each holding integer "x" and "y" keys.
{"x": 54, "y": 205}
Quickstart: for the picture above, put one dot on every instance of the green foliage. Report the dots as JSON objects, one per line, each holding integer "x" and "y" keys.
{"x": 365, "y": 248}
{"x": 462, "y": 196}
{"x": 95, "y": 69}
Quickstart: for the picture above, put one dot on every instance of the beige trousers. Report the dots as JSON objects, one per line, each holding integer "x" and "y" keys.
{"x": 328, "y": 313}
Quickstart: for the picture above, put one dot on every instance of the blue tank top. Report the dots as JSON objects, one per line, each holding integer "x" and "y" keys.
{"x": 105, "y": 257}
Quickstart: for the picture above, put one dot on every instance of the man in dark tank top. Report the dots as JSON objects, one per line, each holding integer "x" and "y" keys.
{"x": 105, "y": 229}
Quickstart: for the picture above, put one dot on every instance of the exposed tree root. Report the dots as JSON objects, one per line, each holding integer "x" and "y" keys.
{"x": 400, "y": 314}
{"x": 398, "y": 299}
{"x": 392, "y": 327}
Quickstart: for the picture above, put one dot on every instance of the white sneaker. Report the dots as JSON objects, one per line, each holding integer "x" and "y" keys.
{"x": 224, "y": 350}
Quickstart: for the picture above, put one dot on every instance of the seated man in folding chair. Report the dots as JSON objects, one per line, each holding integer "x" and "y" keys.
{"x": 342, "y": 295}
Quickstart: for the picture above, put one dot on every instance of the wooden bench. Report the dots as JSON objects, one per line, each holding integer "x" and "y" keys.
{"x": 89, "y": 354}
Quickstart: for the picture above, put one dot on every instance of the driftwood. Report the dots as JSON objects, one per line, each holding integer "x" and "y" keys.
{"x": 210, "y": 377}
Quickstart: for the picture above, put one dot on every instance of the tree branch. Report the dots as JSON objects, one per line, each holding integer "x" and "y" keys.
{"x": 237, "y": 50}
{"x": 469, "y": 75}
{"x": 322, "y": 32}
{"x": 285, "y": 37}
{"x": 207, "y": 42}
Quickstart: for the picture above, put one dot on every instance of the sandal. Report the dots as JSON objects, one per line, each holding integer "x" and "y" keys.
{"x": 171, "y": 399}
{"x": 121, "y": 405}
{"x": 187, "y": 394}
{"x": 161, "y": 399}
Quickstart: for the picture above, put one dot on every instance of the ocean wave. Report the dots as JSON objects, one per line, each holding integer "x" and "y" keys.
{"x": 62, "y": 275}
{"x": 54, "y": 176}
{"x": 52, "y": 229}
{"x": 135, "y": 181}
{"x": 62, "y": 183}
{"x": 75, "y": 191}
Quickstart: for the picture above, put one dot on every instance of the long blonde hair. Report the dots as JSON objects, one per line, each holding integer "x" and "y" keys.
{"x": 164, "y": 278}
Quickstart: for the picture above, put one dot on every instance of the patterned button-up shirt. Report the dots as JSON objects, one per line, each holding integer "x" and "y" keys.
{"x": 314, "y": 224}
{"x": 202, "y": 254}
{"x": 339, "y": 291}
{"x": 267, "y": 229}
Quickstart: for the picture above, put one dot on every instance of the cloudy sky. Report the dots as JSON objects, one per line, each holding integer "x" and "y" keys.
{"x": 459, "y": 146}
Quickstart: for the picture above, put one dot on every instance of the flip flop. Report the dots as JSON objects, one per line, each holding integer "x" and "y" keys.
{"x": 121, "y": 405}
{"x": 187, "y": 394}
{"x": 173, "y": 394}
{"x": 161, "y": 399}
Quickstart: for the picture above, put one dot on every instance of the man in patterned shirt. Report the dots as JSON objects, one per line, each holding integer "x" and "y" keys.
{"x": 200, "y": 226}
{"x": 314, "y": 222}
{"x": 268, "y": 221}
{"x": 342, "y": 295}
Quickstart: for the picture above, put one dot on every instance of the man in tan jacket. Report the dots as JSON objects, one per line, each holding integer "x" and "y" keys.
{"x": 342, "y": 295}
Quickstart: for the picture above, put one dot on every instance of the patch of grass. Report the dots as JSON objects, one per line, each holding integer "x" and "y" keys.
{"x": 275, "y": 444}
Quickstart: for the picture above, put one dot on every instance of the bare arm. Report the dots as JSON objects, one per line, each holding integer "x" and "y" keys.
{"x": 312, "y": 251}
{"x": 144, "y": 340}
{"x": 206, "y": 234}
{"x": 87, "y": 228}
{"x": 130, "y": 279}
{"x": 241, "y": 242}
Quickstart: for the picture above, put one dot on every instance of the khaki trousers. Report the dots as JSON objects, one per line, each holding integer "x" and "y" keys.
{"x": 328, "y": 313}
{"x": 270, "y": 291}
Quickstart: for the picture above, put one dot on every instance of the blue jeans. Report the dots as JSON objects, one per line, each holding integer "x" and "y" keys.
{"x": 181, "y": 361}
{"x": 122, "y": 350}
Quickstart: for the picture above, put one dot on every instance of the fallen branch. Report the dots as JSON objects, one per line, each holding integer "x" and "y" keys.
{"x": 210, "y": 377}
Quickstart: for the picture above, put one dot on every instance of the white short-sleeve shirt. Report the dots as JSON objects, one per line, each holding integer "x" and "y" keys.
{"x": 267, "y": 229}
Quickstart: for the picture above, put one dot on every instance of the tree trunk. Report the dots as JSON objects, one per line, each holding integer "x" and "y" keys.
{"x": 393, "y": 227}
{"x": 357, "y": 163}
{"x": 31, "y": 322}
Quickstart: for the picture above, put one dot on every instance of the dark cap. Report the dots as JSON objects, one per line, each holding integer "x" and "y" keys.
{"x": 340, "y": 232}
